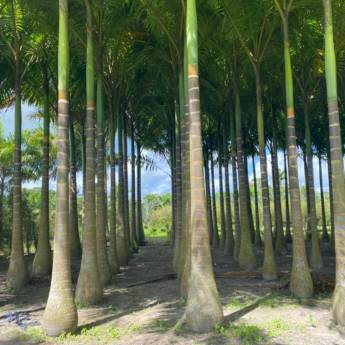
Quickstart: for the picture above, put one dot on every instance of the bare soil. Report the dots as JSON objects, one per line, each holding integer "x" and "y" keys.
{"x": 136, "y": 313}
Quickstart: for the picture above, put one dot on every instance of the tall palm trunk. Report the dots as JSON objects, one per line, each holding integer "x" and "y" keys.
{"x": 258, "y": 241}
{"x": 338, "y": 182}
{"x": 308, "y": 227}
{"x": 301, "y": 284}
{"x": 60, "y": 315}
{"x": 178, "y": 176}
{"x": 17, "y": 274}
{"x": 208, "y": 195}
{"x": 89, "y": 288}
{"x": 229, "y": 238}
{"x": 325, "y": 236}
{"x": 42, "y": 263}
{"x": 221, "y": 194}
{"x": 246, "y": 258}
{"x": 315, "y": 258}
{"x": 331, "y": 203}
{"x": 280, "y": 244}
{"x": 133, "y": 194}
{"x": 203, "y": 310}
{"x": 112, "y": 252}
{"x": 140, "y": 226}
{"x": 288, "y": 236}
{"x": 235, "y": 190}
{"x": 122, "y": 235}
{"x": 101, "y": 200}
{"x": 215, "y": 238}
{"x": 249, "y": 203}
{"x": 269, "y": 271}
{"x": 73, "y": 205}
{"x": 125, "y": 188}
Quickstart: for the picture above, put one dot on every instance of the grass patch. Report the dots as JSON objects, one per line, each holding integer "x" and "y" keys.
{"x": 247, "y": 334}
{"x": 160, "y": 325}
{"x": 98, "y": 333}
{"x": 35, "y": 334}
{"x": 240, "y": 301}
{"x": 276, "y": 327}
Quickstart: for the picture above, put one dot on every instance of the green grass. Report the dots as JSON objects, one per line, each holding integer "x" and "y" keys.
{"x": 35, "y": 334}
{"x": 160, "y": 325}
{"x": 240, "y": 301}
{"x": 276, "y": 327}
{"x": 247, "y": 334}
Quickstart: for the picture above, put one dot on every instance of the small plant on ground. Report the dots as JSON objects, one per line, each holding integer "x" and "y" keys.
{"x": 276, "y": 327}
{"x": 248, "y": 334}
{"x": 35, "y": 334}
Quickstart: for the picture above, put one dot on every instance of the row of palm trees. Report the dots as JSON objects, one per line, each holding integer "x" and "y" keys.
{"x": 141, "y": 76}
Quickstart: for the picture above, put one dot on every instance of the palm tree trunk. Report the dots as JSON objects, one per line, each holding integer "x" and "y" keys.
{"x": 112, "y": 252}
{"x": 221, "y": 194}
{"x": 288, "y": 236}
{"x": 229, "y": 238}
{"x": 122, "y": 235}
{"x": 208, "y": 196}
{"x": 133, "y": 194}
{"x": 235, "y": 190}
{"x": 308, "y": 227}
{"x": 178, "y": 176}
{"x": 249, "y": 203}
{"x": 325, "y": 236}
{"x": 42, "y": 263}
{"x": 246, "y": 258}
{"x": 301, "y": 284}
{"x": 203, "y": 310}
{"x": 331, "y": 202}
{"x": 140, "y": 227}
{"x": 258, "y": 241}
{"x": 269, "y": 271}
{"x": 101, "y": 215}
{"x": 315, "y": 258}
{"x": 125, "y": 188}
{"x": 89, "y": 288}
{"x": 73, "y": 205}
{"x": 17, "y": 274}
{"x": 60, "y": 315}
{"x": 338, "y": 182}
{"x": 215, "y": 238}
{"x": 280, "y": 244}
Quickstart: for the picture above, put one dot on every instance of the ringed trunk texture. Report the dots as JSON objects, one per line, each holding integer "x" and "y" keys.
{"x": 73, "y": 205}
{"x": 121, "y": 233}
{"x": 140, "y": 226}
{"x": 215, "y": 238}
{"x": 269, "y": 270}
{"x": 301, "y": 284}
{"x": 101, "y": 209}
{"x": 42, "y": 263}
{"x": 258, "y": 240}
{"x": 288, "y": 236}
{"x": 17, "y": 274}
{"x": 246, "y": 258}
{"x": 338, "y": 183}
{"x": 203, "y": 310}
{"x": 60, "y": 315}
{"x": 89, "y": 288}
{"x": 325, "y": 236}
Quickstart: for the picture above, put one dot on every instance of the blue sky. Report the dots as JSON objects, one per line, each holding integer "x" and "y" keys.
{"x": 157, "y": 180}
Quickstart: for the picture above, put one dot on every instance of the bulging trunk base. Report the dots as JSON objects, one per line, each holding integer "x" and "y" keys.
{"x": 338, "y": 305}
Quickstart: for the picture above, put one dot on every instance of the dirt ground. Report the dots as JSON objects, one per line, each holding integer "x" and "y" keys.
{"x": 133, "y": 313}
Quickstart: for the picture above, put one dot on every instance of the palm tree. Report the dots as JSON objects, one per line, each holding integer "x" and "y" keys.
{"x": 60, "y": 315}
{"x": 338, "y": 182}
{"x": 203, "y": 310}
{"x": 89, "y": 287}
{"x": 301, "y": 283}
{"x": 17, "y": 274}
